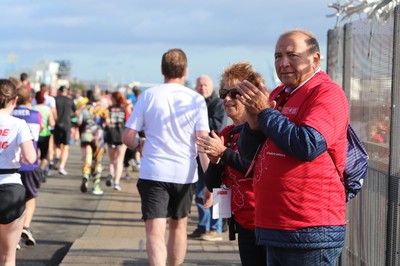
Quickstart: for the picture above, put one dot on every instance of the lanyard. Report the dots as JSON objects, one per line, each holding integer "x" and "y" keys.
{"x": 286, "y": 92}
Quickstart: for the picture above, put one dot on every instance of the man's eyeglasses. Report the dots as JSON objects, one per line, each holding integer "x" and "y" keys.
{"x": 231, "y": 92}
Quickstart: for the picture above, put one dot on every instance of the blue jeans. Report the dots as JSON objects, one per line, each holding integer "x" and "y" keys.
{"x": 206, "y": 222}
{"x": 277, "y": 256}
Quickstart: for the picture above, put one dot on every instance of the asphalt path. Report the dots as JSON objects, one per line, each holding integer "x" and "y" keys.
{"x": 62, "y": 214}
{"x": 75, "y": 228}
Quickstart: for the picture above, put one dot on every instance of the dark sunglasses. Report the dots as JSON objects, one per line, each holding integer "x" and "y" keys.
{"x": 231, "y": 92}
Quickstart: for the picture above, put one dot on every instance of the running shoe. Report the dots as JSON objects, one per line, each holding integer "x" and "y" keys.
{"x": 117, "y": 187}
{"x": 84, "y": 184}
{"x": 27, "y": 236}
{"x": 42, "y": 176}
{"x": 47, "y": 172}
{"x": 108, "y": 181}
{"x": 62, "y": 171}
{"x": 96, "y": 190}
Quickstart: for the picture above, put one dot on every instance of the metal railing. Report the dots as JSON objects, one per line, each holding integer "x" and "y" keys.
{"x": 364, "y": 58}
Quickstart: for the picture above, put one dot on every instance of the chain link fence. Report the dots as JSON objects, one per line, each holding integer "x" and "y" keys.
{"x": 364, "y": 58}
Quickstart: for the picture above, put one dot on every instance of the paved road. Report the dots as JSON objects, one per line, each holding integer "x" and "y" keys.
{"x": 62, "y": 215}
{"x": 72, "y": 228}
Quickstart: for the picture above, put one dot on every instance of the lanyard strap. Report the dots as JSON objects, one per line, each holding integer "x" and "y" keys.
{"x": 286, "y": 92}
{"x": 282, "y": 98}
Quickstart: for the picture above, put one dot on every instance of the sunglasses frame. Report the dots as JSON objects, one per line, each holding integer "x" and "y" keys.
{"x": 231, "y": 92}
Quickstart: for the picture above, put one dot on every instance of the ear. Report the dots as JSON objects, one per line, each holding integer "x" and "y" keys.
{"x": 316, "y": 60}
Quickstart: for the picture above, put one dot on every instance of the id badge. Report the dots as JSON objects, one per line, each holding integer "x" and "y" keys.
{"x": 221, "y": 203}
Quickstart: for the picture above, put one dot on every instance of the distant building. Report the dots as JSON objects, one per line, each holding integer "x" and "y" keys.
{"x": 53, "y": 73}
{"x": 64, "y": 69}
{"x": 103, "y": 84}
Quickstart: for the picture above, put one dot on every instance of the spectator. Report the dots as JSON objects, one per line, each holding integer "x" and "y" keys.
{"x": 62, "y": 130}
{"x": 228, "y": 168}
{"x": 208, "y": 229}
{"x": 300, "y": 213}
{"x": 30, "y": 174}
{"x": 16, "y": 142}
{"x": 171, "y": 115}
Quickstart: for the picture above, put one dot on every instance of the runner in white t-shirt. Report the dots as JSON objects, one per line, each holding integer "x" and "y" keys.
{"x": 172, "y": 116}
{"x": 15, "y": 144}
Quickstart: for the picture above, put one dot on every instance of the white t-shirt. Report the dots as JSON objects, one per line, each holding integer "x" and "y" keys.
{"x": 13, "y": 132}
{"x": 49, "y": 101}
{"x": 170, "y": 114}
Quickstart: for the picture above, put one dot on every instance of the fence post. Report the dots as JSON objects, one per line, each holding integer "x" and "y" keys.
{"x": 347, "y": 59}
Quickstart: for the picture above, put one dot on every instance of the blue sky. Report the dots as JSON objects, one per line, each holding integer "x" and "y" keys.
{"x": 124, "y": 39}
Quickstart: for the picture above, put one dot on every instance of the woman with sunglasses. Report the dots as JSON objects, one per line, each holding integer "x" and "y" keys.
{"x": 228, "y": 168}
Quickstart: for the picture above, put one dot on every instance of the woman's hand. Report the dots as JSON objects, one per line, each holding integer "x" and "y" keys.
{"x": 255, "y": 100}
{"x": 213, "y": 146}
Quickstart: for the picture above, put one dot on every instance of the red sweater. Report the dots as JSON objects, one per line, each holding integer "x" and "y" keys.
{"x": 293, "y": 194}
{"x": 242, "y": 201}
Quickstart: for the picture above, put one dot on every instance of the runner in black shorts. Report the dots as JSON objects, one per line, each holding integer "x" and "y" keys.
{"x": 172, "y": 116}
{"x": 16, "y": 139}
{"x": 62, "y": 131}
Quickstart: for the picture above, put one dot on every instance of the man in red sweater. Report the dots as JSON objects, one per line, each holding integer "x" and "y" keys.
{"x": 300, "y": 201}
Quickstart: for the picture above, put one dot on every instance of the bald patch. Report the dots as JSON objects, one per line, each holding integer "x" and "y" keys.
{"x": 307, "y": 36}
{"x": 299, "y": 31}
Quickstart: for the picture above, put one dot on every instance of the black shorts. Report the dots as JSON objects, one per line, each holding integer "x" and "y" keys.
{"x": 113, "y": 136}
{"x": 43, "y": 146}
{"x": 31, "y": 181}
{"x": 12, "y": 202}
{"x": 61, "y": 135}
{"x": 162, "y": 200}
{"x": 129, "y": 154}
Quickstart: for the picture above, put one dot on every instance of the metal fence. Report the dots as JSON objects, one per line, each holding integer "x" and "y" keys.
{"x": 364, "y": 57}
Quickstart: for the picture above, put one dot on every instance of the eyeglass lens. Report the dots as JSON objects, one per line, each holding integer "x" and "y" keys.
{"x": 232, "y": 93}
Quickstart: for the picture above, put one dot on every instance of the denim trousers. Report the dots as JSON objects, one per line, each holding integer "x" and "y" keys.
{"x": 206, "y": 222}
{"x": 302, "y": 257}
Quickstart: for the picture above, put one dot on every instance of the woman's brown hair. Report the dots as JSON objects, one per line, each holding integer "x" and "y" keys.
{"x": 118, "y": 98}
{"x": 8, "y": 92}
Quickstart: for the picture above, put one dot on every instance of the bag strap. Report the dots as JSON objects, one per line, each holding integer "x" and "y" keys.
{"x": 337, "y": 169}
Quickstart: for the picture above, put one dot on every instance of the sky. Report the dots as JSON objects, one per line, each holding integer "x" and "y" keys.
{"x": 123, "y": 40}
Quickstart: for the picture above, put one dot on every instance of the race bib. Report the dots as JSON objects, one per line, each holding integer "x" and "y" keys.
{"x": 221, "y": 203}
